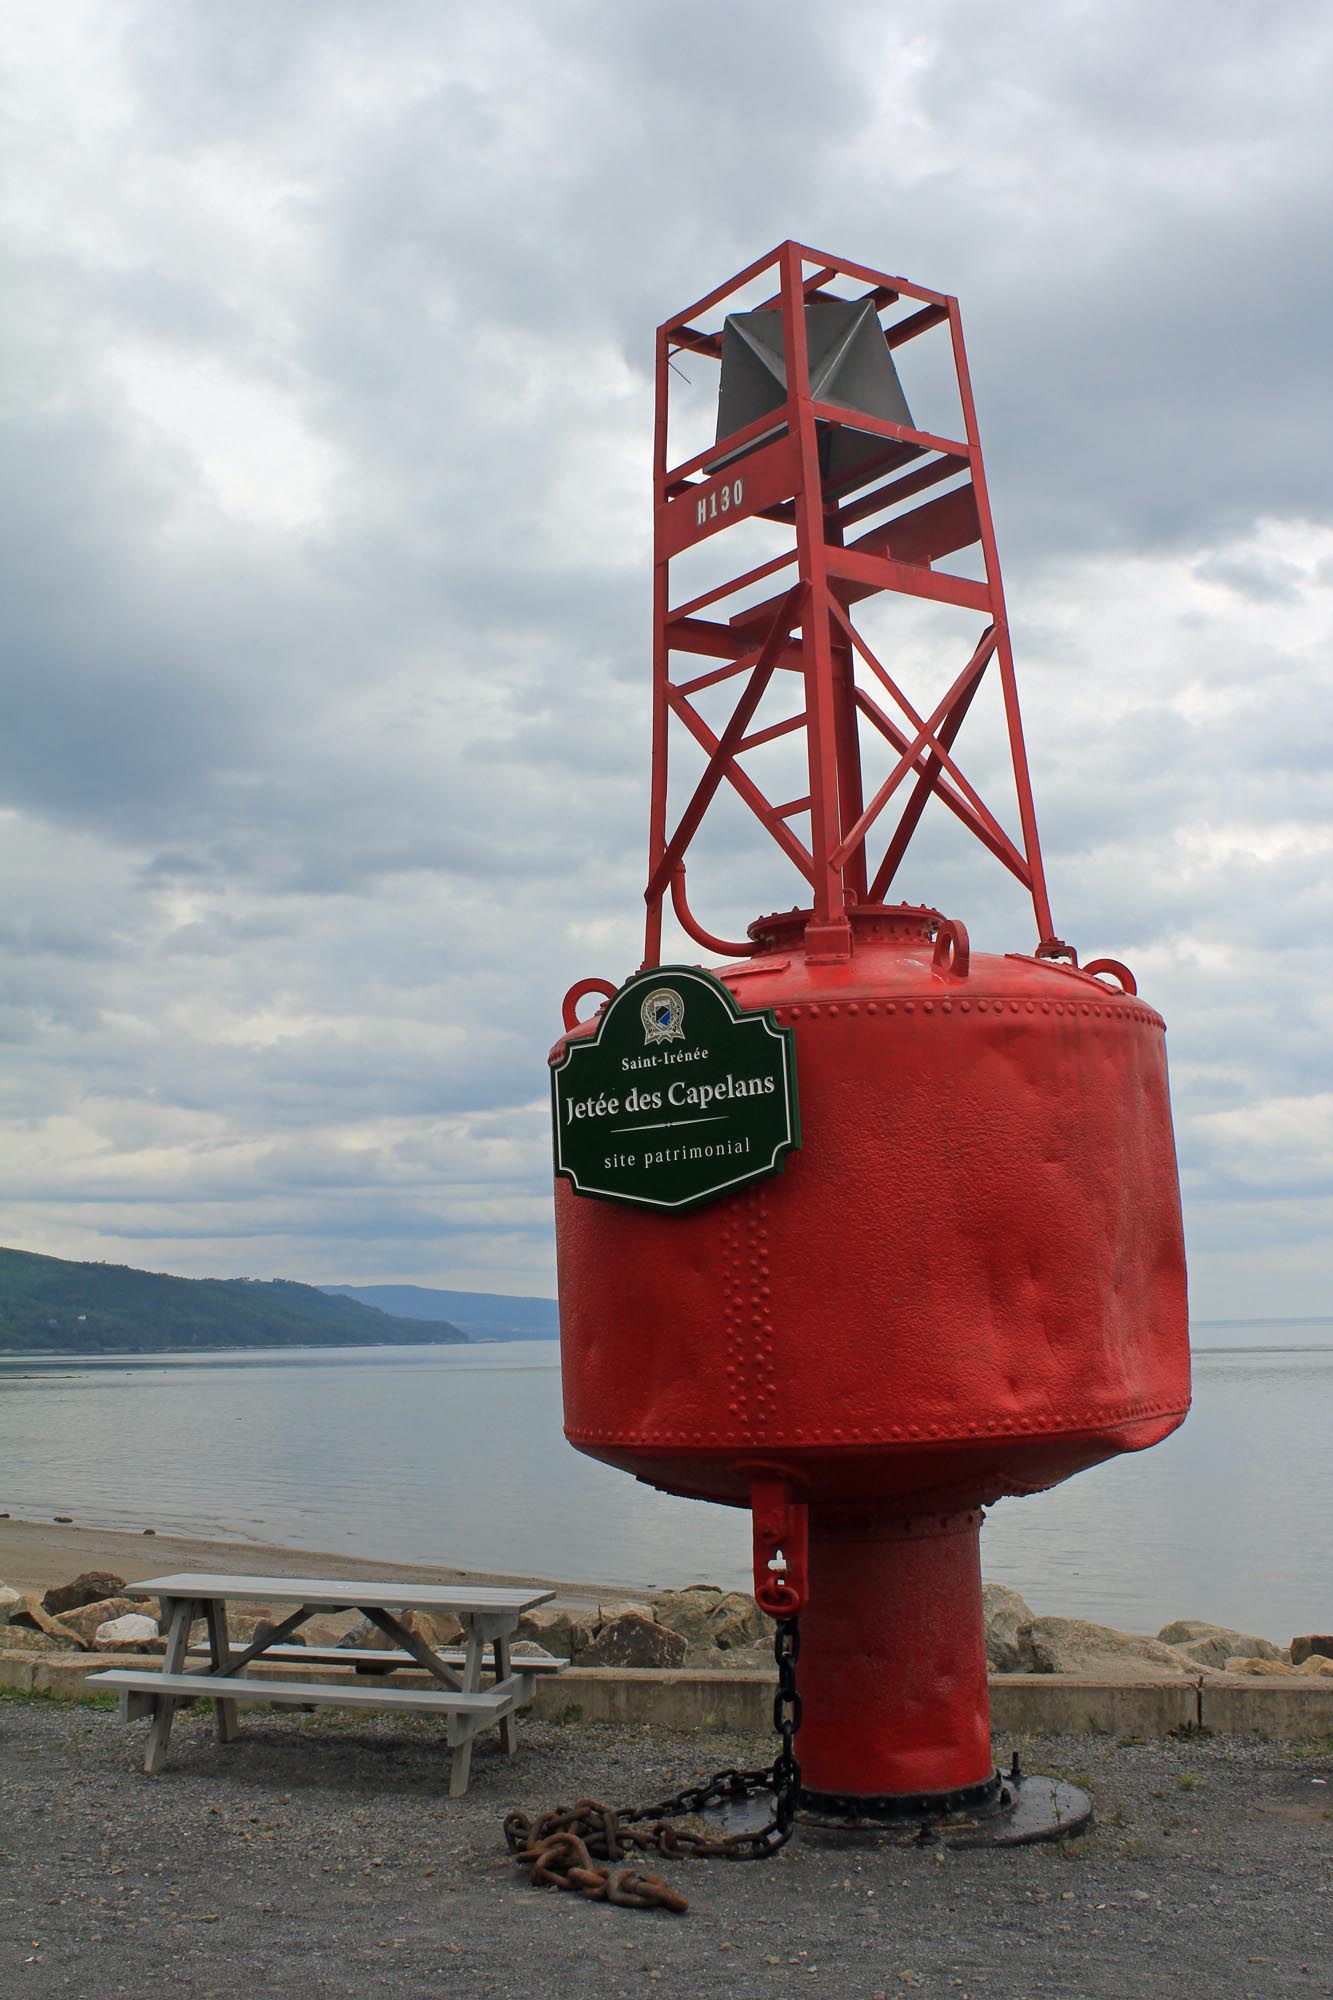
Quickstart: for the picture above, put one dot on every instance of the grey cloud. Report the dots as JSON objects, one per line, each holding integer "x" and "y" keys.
{"x": 320, "y": 819}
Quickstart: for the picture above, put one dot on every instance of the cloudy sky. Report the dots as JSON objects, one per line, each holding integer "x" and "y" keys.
{"x": 328, "y": 339}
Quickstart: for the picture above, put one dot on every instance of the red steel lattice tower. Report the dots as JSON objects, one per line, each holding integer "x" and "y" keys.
{"x": 808, "y": 628}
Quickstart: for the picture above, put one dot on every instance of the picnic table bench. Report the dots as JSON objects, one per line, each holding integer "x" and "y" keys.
{"x": 489, "y": 1617}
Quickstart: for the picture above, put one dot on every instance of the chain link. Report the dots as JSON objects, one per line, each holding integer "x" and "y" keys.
{"x": 563, "y": 1846}
{"x": 786, "y": 1783}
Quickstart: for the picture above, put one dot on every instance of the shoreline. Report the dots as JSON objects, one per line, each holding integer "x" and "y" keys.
{"x": 246, "y": 1347}
{"x": 99, "y": 1354}
{"x": 1020, "y": 1642}
{"x": 34, "y": 1554}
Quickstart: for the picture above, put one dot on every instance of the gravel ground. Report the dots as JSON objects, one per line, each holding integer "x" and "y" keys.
{"x": 318, "y": 1855}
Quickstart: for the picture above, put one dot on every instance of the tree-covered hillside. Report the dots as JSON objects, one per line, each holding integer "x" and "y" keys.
{"x": 47, "y": 1303}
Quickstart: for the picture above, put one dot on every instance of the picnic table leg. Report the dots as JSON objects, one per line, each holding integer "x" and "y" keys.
{"x": 164, "y": 1708}
{"x": 462, "y": 1728}
{"x": 503, "y": 1669}
{"x": 219, "y": 1650}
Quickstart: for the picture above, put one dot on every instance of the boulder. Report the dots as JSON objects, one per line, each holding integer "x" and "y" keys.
{"x": 1213, "y": 1645}
{"x": 736, "y": 1660}
{"x": 447, "y": 1628}
{"x": 632, "y": 1640}
{"x": 1096, "y": 1652}
{"x": 622, "y": 1609}
{"x": 1005, "y": 1613}
{"x": 10, "y": 1600}
{"x": 1318, "y": 1664}
{"x": 26, "y": 1639}
{"x": 244, "y": 1627}
{"x": 32, "y": 1615}
{"x": 1274, "y": 1669}
{"x": 79, "y": 1627}
{"x": 90, "y": 1588}
{"x": 131, "y": 1633}
{"x": 1301, "y": 1649}
{"x": 359, "y": 1636}
{"x": 323, "y": 1632}
{"x": 433, "y": 1629}
{"x": 1182, "y": 1629}
{"x": 362, "y": 1638}
{"x": 689, "y": 1612}
{"x": 437, "y": 1630}
{"x": 738, "y": 1621}
{"x": 556, "y": 1629}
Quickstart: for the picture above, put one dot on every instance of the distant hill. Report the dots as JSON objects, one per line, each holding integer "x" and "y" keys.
{"x": 47, "y": 1303}
{"x": 482, "y": 1315}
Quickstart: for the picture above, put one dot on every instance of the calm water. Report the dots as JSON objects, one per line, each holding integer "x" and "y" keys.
{"x": 456, "y": 1456}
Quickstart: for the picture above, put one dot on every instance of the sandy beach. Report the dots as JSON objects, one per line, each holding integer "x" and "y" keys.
{"x": 34, "y": 1554}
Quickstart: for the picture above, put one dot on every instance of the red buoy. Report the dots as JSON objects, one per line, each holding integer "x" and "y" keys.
{"x": 952, "y": 1268}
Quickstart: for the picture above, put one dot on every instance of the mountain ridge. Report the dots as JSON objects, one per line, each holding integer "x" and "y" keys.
{"x": 481, "y": 1315}
{"x": 54, "y": 1305}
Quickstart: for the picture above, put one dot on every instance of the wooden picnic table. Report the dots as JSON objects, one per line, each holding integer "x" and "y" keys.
{"x": 489, "y": 1617}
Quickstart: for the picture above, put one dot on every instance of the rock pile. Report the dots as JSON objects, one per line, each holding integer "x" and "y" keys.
{"x": 700, "y": 1626}
{"x": 75, "y": 1617}
{"x": 1019, "y": 1642}
{"x": 439, "y": 1631}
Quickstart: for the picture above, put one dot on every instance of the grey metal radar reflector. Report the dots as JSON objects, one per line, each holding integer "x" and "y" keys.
{"x": 849, "y": 365}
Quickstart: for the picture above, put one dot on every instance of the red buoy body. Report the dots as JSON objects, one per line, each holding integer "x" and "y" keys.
{"x": 970, "y": 1279}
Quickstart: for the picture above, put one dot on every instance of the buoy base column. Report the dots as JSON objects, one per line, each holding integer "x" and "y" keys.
{"x": 893, "y": 1665}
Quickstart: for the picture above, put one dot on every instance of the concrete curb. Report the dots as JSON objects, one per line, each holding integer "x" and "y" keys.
{"x": 1281, "y": 1708}
{"x": 1051, "y": 1704}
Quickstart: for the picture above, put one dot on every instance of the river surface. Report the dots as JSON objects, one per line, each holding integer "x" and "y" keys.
{"x": 455, "y": 1455}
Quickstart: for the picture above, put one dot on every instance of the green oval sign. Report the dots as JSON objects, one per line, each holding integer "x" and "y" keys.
{"x": 679, "y": 1097}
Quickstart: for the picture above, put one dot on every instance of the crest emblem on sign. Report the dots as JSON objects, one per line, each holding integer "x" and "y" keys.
{"x": 662, "y": 1014}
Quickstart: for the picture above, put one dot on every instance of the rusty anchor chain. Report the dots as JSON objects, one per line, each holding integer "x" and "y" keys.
{"x": 564, "y": 1847}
